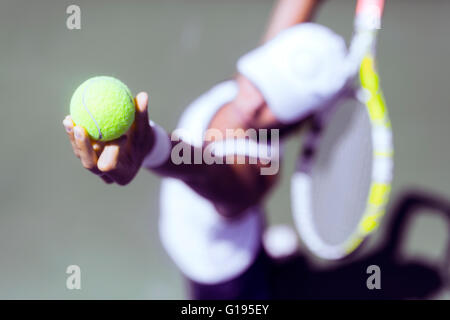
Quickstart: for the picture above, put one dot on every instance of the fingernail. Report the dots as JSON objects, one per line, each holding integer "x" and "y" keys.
{"x": 141, "y": 98}
{"x": 78, "y": 133}
{"x": 96, "y": 147}
{"x": 67, "y": 126}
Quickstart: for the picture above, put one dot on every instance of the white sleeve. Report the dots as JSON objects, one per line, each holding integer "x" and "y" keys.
{"x": 298, "y": 71}
{"x": 161, "y": 150}
{"x": 207, "y": 248}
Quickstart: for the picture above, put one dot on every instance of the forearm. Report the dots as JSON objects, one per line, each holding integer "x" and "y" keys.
{"x": 246, "y": 111}
{"x": 182, "y": 163}
{"x": 288, "y": 13}
{"x": 200, "y": 165}
{"x": 232, "y": 183}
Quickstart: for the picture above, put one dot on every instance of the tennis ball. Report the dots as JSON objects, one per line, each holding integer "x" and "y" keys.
{"x": 104, "y": 106}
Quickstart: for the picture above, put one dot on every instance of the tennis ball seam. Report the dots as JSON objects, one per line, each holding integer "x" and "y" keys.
{"x": 104, "y": 106}
{"x": 100, "y": 135}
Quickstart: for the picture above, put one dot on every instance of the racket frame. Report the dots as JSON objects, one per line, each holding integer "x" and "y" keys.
{"x": 360, "y": 66}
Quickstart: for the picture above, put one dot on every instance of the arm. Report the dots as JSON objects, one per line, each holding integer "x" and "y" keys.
{"x": 241, "y": 185}
{"x": 119, "y": 161}
{"x": 288, "y": 13}
{"x": 249, "y": 110}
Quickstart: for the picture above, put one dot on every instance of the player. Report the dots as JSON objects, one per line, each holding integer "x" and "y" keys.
{"x": 212, "y": 219}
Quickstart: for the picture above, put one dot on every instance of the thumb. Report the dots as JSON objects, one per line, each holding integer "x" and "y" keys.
{"x": 141, "y": 117}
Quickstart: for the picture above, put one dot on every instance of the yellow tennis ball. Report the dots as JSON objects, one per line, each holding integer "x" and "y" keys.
{"x": 104, "y": 106}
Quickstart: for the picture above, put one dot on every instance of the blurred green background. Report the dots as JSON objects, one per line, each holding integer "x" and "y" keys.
{"x": 53, "y": 213}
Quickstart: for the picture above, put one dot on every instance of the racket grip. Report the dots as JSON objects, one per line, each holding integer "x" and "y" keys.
{"x": 368, "y": 14}
{"x": 364, "y": 4}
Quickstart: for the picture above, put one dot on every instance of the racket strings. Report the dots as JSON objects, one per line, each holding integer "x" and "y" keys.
{"x": 341, "y": 174}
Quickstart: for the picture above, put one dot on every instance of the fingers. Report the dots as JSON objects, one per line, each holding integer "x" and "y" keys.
{"x": 85, "y": 149}
{"x": 86, "y": 153}
{"x": 68, "y": 126}
{"x": 141, "y": 117}
{"x": 98, "y": 147}
{"x": 116, "y": 163}
{"x": 109, "y": 159}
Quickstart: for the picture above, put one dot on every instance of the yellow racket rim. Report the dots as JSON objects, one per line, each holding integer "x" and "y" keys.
{"x": 382, "y": 154}
{"x": 371, "y": 98}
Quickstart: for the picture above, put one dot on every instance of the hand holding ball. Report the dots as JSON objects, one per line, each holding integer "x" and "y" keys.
{"x": 104, "y": 106}
{"x": 103, "y": 109}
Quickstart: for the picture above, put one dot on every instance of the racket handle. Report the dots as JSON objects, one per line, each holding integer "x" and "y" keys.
{"x": 368, "y": 14}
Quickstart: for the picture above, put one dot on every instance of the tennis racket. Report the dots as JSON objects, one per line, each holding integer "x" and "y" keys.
{"x": 343, "y": 176}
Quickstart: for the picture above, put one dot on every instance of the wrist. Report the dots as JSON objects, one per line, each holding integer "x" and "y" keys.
{"x": 160, "y": 147}
{"x": 248, "y": 95}
{"x": 248, "y": 101}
